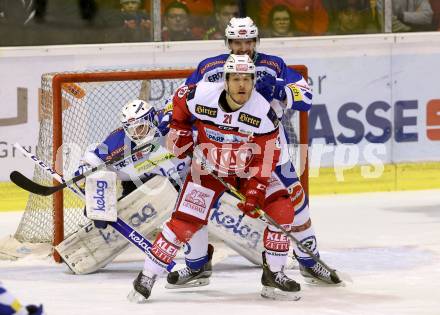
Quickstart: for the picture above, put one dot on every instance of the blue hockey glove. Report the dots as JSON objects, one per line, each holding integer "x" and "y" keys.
{"x": 164, "y": 123}
{"x": 271, "y": 88}
{"x": 265, "y": 86}
{"x": 99, "y": 224}
{"x": 278, "y": 92}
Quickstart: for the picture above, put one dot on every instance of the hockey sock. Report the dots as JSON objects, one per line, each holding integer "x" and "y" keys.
{"x": 196, "y": 249}
{"x": 303, "y": 231}
{"x": 162, "y": 252}
{"x": 276, "y": 245}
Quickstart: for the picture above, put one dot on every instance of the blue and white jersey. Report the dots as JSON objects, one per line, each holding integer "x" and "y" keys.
{"x": 155, "y": 159}
{"x": 299, "y": 94}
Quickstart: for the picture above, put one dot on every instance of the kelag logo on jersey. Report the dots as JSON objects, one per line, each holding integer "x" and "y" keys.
{"x": 206, "y": 111}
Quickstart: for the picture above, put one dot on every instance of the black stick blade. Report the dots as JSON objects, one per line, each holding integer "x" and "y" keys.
{"x": 22, "y": 181}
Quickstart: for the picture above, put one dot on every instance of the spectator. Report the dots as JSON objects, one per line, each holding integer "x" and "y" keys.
{"x": 196, "y": 7}
{"x": 409, "y": 15}
{"x": 309, "y": 16}
{"x": 127, "y": 22}
{"x": 354, "y": 17}
{"x": 136, "y": 25}
{"x": 177, "y": 24}
{"x": 225, "y": 11}
{"x": 280, "y": 22}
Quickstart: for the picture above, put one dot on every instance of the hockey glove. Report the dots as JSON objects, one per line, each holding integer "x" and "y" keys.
{"x": 180, "y": 141}
{"x": 35, "y": 310}
{"x": 255, "y": 193}
{"x": 164, "y": 123}
{"x": 271, "y": 88}
{"x": 81, "y": 184}
{"x": 99, "y": 224}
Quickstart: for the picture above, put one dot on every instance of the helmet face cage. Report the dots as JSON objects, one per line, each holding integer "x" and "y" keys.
{"x": 137, "y": 119}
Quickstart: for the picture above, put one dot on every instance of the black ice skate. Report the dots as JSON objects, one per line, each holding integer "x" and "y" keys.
{"x": 319, "y": 275}
{"x": 278, "y": 286}
{"x": 142, "y": 287}
{"x": 189, "y": 278}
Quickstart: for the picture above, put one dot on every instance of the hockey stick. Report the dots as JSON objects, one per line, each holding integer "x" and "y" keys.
{"x": 120, "y": 225}
{"x": 239, "y": 195}
{"x": 27, "y": 184}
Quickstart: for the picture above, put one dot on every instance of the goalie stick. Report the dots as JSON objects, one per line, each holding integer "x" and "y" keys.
{"x": 204, "y": 163}
{"x": 120, "y": 225}
{"x": 27, "y": 184}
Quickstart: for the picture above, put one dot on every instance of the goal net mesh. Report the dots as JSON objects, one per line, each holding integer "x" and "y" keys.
{"x": 90, "y": 111}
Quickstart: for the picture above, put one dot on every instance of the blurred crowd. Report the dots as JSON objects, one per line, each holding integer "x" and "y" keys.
{"x": 47, "y": 22}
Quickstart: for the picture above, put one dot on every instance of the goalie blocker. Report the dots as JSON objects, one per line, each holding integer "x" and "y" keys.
{"x": 101, "y": 196}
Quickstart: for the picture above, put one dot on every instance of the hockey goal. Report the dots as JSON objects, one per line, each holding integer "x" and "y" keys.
{"x": 77, "y": 111}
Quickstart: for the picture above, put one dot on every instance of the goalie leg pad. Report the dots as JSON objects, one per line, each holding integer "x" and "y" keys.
{"x": 90, "y": 249}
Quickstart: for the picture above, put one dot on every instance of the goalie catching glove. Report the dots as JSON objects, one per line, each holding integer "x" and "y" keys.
{"x": 255, "y": 193}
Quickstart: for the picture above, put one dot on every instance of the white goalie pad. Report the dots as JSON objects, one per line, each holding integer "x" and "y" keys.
{"x": 145, "y": 209}
{"x": 241, "y": 233}
{"x": 101, "y": 196}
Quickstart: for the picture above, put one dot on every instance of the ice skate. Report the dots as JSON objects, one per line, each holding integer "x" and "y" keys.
{"x": 189, "y": 278}
{"x": 278, "y": 286}
{"x": 142, "y": 287}
{"x": 319, "y": 275}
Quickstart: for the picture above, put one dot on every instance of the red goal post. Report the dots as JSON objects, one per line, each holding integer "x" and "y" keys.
{"x": 69, "y": 99}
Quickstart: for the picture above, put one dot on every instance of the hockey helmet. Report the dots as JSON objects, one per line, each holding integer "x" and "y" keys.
{"x": 239, "y": 64}
{"x": 137, "y": 118}
{"x": 241, "y": 28}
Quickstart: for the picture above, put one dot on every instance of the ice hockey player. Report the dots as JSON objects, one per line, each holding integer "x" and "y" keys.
{"x": 139, "y": 126}
{"x": 238, "y": 137}
{"x": 145, "y": 176}
{"x": 285, "y": 89}
{"x": 9, "y": 305}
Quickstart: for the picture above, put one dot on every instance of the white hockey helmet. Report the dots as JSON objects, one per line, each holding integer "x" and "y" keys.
{"x": 241, "y": 28}
{"x": 137, "y": 118}
{"x": 239, "y": 64}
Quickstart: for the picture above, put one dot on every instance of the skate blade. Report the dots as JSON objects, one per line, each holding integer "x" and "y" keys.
{"x": 136, "y": 297}
{"x": 321, "y": 283}
{"x": 277, "y": 294}
{"x": 192, "y": 284}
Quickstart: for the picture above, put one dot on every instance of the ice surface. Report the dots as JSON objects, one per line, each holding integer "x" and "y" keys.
{"x": 388, "y": 243}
